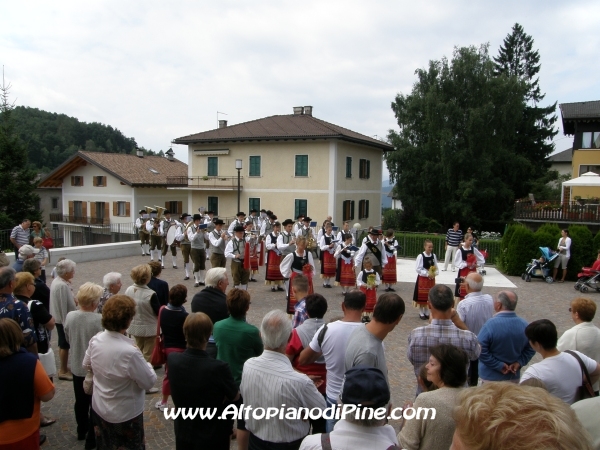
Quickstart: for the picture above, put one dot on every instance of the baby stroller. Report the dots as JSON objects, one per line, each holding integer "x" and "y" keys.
{"x": 481, "y": 269}
{"x": 588, "y": 279}
{"x": 540, "y": 268}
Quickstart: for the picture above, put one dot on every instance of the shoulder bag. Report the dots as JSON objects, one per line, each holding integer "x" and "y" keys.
{"x": 585, "y": 390}
{"x": 158, "y": 357}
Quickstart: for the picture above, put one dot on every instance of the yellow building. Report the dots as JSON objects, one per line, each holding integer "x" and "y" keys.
{"x": 290, "y": 164}
{"x": 582, "y": 121}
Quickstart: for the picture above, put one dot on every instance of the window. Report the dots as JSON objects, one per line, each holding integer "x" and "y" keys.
{"x": 364, "y": 169}
{"x": 76, "y": 181}
{"x": 585, "y": 169}
{"x": 77, "y": 209}
{"x": 254, "y": 166}
{"x": 301, "y": 166}
{"x": 254, "y": 203}
{"x": 213, "y": 166}
{"x": 348, "y": 210}
{"x": 100, "y": 211}
{"x": 590, "y": 139}
{"x": 38, "y": 204}
{"x": 121, "y": 209}
{"x": 213, "y": 205}
{"x": 348, "y": 166}
{"x": 300, "y": 207}
{"x": 174, "y": 207}
{"x": 54, "y": 202}
{"x": 363, "y": 209}
{"x": 100, "y": 181}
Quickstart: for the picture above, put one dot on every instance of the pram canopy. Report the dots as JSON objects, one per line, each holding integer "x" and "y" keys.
{"x": 548, "y": 253}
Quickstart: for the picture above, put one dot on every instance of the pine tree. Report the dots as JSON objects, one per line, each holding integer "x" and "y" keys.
{"x": 18, "y": 199}
{"x": 533, "y": 138}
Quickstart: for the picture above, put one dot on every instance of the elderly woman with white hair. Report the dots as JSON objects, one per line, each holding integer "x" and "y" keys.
{"x": 80, "y": 327}
{"x": 112, "y": 285}
{"x": 62, "y": 302}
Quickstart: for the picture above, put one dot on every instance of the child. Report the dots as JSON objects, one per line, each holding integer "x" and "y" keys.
{"x": 427, "y": 269}
{"x": 389, "y": 270}
{"x": 596, "y": 265}
{"x": 367, "y": 281}
{"x": 328, "y": 245}
{"x": 41, "y": 256}
{"x": 344, "y": 275}
{"x": 53, "y": 273}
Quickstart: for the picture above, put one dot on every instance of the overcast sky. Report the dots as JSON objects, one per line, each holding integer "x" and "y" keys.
{"x": 160, "y": 70}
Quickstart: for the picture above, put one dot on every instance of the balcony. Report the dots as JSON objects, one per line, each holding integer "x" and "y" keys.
{"x": 205, "y": 183}
{"x": 556, "y": 212}
{"x": 79, "y": 219}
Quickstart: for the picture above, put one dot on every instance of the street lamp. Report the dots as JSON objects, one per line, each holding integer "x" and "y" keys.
{"x": 238, "y": 166}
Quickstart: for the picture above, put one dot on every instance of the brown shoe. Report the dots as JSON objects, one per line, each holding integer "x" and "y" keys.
{"x": 66, "y": 376}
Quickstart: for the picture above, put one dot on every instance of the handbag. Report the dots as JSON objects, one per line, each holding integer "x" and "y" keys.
{"x": 48, "y": 362}
{"x": 158, "y": 357}
{"x": 88, "y": 383}
{"x": 48, "y": 243}
{"x": 585, "y": 390}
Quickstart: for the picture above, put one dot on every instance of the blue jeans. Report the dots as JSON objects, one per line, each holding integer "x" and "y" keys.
{"x": 329, "y": 423}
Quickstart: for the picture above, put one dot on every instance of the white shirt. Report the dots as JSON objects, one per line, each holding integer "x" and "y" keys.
{"x": 359, "y": 278}
{"x": 566, "y": 247}
{"x": 340, "y": 236}
{"x": 349, "y": 436}
{"x": 475, "y": 309}
{"x": 284, "y": 237}
{"x": 363, "y": 250}
{"x": 286, "y": 265}
{"x": 121, "y": 376}
{"x": 333, "y": 349}
{"x": 422, "y": 271}
{"x": 587, "y": 413}
{"x": 270, "y": 381}
{"x": 561, "y": 374}
{"x": 229, "y": 248}
{"x": 272, "y": 245}
{"x": 460, "y": 263}
{"x": 584, "y": 338}
{"x": 323, "y": 246}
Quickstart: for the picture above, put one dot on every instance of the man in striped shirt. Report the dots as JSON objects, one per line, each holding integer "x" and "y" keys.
{"x": 20, "y": 234}
{"x": 453, "y": 239}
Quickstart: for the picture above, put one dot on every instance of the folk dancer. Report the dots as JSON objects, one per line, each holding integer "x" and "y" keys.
{"x": 210, "y": 226}
{"x": 153, "y": 227}
{"x": 307, "y": 232}
{"x": 165, "y": 225}
{"x": 373, "y": 248}
{"x": 273, "y": 275}
{"x": 239, "y": 221}
{"x": 235, "y": 250}
{"x": 197, "y": 239}
{"x": 254, "y": 255}
{"x": 346, "y": 230}
{"x": 286, "y": 242}
{"x": 184, "y": 243}
{"x": 389, "y": 277}
{"x": 267, "y": 226}
{"x": 305, "y": 229}
{"x": 344, "y": 275}
{"x": 466, "y": 261}
{"x": 218, "y": 239}
{"x": 262, "y": 217}
{"x": 427, "y": 269}
{"x": 328, "y": 245}
{"x": 298, "y": 223}
{"x": 254, "y": 219}
{"x": 300, "y": 262}
{"x": 367, "y": 281}
{"x": 143, "y": 233}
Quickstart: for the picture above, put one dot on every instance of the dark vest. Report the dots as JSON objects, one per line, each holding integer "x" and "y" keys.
{"x": 428, "y": 261}
{"x": 299, "y": 261}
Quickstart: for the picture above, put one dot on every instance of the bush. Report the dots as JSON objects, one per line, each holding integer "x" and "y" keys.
{"x": 544, "y": 239}
{"x": 392, "y": 218}
{"x": 582, "y": 250}
{"x": 553, "y": 229}
{"x": 502, "y": 259}
{"x": 521, "y": 250}
{"x": 597, "y": 242}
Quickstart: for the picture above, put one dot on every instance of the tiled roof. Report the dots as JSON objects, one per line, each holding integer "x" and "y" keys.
{"x": 578, "y": 112}
{"x": 282, "y": 127}
{"x": 564, "y": 156}
{"x": 130, "y": 169}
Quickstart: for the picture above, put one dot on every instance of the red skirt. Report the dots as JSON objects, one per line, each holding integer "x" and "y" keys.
{"x": 327, "y": 265}
{"x": 389, "y": 271}
{"x": 460, "y": 290}
{"x": 291, "y": 299}
{"x": 345, "y": 275}
{"x": 273, "y": 272}
{"x": 371, "y": 298}
{"x": 422, "y": 288}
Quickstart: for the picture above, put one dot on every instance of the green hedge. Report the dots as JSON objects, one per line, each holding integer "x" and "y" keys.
{"x": 582, "y": 250}
{"x": 521, "y": 249}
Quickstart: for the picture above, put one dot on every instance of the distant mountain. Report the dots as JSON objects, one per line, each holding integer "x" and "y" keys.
{"x": 386, "y": 187}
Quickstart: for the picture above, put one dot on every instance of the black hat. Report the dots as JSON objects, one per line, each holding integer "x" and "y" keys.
{"x": 375, "y": 232}
{"x": 240, "y": 214}
{"x": 263, "y": 210}
{"x": 273, "y": 217}
{"x": 269, "y": 212}
{"x": 239, "y": 228}
{"x": 210, "y": 212}
{"x": 184, "y": 215}
{"x": 306, "y": 219}
{"x": 253, "y": 210}
{"x": 218, "y": 222}
{"x": 287, "y": 222}
{"x": 300, "y": 216}
{"x": 366, "y": 386}
{"x": 197, "y": 217}
{"x": 142, "y": 211}
{"x": 276, "y": 224}
{"x": 166, "y": 211}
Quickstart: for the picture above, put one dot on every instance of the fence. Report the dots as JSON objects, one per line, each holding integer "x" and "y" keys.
{"x": 571, "y": 212}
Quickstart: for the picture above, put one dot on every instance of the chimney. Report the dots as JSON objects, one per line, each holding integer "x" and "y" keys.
{"x": 139, "y": 152}
{"x": 308, "y": 111}
{"x": 170, "y": 154}
{"x": 222, "y": 123}
{"x": 298, "y": 110}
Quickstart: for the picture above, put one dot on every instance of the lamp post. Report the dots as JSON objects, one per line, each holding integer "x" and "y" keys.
{"x": 238, "y": 166}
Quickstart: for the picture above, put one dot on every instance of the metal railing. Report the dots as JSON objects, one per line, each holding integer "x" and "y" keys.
{"x": 205, "y": 182}
{"x": 79, "y": 219}
{"x": 572, "y": 212}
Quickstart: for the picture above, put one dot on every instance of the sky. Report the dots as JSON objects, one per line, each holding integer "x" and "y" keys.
{"x": 161, "y": 70}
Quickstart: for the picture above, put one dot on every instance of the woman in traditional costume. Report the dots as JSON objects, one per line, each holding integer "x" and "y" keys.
{"x": 389, "y": 276}
{"x": 273, "y": 275}
{"x": 367, "y": 281}
{"x": 328, "y": 245}
{"x": 344, "y": 275}
{"x": 297, "y": 263}
{"x": 467, "y": 259}
{"x": 427, "y": 269}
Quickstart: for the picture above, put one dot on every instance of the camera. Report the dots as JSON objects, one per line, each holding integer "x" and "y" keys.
{"x": 459, "y": 280}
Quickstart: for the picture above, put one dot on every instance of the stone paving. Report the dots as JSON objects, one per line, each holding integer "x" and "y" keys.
{"x": 537, "y": 300}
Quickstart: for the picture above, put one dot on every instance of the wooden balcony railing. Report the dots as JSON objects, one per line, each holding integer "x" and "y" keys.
{"x": 208, "y": 183}
{"x": 557, "y": 212}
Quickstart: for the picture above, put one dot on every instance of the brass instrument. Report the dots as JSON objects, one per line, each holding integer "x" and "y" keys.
{"x": 161, "y": 211}
{"x": 155, "y": 231}
{"x": 311, "y": 242}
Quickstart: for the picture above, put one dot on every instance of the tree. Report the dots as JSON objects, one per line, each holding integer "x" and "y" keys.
{"x": 455, "y": 156}
{"x": 535, "y": 131}
{"x": 18, "y": 199}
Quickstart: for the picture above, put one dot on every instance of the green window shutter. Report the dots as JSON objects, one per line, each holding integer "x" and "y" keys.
{"x": 254, "y": 166}
{"x": 213, "y": 166}
{"x": 301, "y": 166}
{"x": 348, "y": 167}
